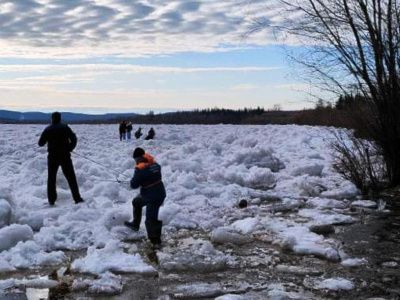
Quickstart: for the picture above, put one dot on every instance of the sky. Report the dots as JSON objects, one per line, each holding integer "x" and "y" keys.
{"x": 138, "y": 55}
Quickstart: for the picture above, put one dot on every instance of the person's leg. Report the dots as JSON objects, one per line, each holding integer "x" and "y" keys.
{"x": 69, "y": 173}
{"x": 153, "y": 225}
{"x": 137, "y": 205}
{"x": 52, "y": 167}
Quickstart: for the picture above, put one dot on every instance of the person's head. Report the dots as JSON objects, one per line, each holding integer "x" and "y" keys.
{"x": 55, "y": 117}
{"x": 138, "y": 153}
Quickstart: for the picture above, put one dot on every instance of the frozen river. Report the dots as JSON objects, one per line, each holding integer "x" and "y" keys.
{"x": 286, "y": 244}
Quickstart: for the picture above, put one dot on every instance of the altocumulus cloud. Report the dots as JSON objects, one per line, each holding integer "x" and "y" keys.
{"x": 56, "y": 28}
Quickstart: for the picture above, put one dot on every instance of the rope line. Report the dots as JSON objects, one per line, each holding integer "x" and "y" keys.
{"x": 117, "y": 173}
{"x": 111, "y": 180}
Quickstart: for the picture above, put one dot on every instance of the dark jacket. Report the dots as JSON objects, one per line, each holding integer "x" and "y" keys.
{"x": 138, "y": 133}
{"x": 60, "y": 139}
{"x": 148, "y": 177}
{"x": 129, "y": 127}
{"x": 122, "y": 128}
{"x": 150, "y": 134}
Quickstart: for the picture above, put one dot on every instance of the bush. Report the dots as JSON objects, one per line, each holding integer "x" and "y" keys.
{"x": 359, "y": 161}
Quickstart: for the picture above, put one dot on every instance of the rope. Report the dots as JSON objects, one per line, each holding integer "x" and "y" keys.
{"x": 117, "y": 173}
{"x": 111, "y": 180}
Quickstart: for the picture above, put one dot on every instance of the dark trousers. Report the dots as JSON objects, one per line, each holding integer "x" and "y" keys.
{"x": 68, "y": 169}
{"x": 153, "y": 225}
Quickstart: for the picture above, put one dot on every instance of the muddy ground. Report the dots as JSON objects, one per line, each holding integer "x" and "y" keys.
{"x": 260, "y": 266}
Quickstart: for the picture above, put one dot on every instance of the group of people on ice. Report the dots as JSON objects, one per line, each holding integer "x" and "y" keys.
{"x": 61, "y": 141}
{"x": 125, "y": 132}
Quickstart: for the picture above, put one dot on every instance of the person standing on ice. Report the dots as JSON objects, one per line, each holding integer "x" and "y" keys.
{"x": 122, "y": 131}
{"x": 61, "y": 141}
{"x": 152, "y": 194}
{"x": 129, "y": 128}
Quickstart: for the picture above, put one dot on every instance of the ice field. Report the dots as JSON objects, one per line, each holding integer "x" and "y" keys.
{"x": 284, "y": 172}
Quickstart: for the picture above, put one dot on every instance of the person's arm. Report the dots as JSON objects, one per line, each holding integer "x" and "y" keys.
{"x": 72, "y": 139}
{"x": 135, "y": 181}
{"x": 43, "y": 138}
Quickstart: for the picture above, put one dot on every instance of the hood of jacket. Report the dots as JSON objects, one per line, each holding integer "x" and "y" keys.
{"x": 145, "y": 161}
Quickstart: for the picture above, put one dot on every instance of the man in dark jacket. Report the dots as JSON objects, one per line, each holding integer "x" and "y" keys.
{"x": 61, "y": 141}
{"x": 129, "y": 128}
{"x": 152, "y": 194}
{"x": 122, "y": 131}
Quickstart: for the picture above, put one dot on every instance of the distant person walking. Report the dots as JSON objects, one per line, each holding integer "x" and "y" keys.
{"x": 138, "y": 133}
{"x": 150, "y": 134}
{"x": 128, "y": 130}
{"x": 61, "y": 141}
{"x": 152, "y": 194}
{"x": 122, "y": 130}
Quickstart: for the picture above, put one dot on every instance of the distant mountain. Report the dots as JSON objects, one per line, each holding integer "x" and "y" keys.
{"x": 68, "y": 117}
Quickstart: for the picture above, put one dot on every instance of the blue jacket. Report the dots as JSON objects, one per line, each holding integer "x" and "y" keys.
{"x": 148, "y": 177}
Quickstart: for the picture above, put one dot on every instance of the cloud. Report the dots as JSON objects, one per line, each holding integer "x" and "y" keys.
{"x": 103, "y": 77}
{"x": 126, "y": 68}
{"x": 81, "y": 28}
{"x": 244, "y": 87}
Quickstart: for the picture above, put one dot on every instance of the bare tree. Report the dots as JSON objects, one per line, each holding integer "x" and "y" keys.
{"x": 353, "y": 46}
{"x": 359, "y": 161}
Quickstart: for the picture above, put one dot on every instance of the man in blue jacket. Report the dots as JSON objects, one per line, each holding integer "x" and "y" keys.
{"x": 61, "y": 141}
{"x": 152, "y": 194}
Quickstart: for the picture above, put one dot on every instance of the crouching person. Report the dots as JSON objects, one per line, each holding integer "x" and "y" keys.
{"x": 152, "y": 194}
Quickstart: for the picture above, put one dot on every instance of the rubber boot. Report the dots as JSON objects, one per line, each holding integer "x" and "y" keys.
{"x": 137, "y": 211}
{"x": 154, "y": 229}
{"x": 131, "y": 225}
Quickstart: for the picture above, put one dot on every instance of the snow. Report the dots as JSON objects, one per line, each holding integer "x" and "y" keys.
{"x": 111, "y": 258}
{"x": 224, "y": 235}
{"x": 246, "y": 226}
{"x": 40, "y": 282}
{"x": 354, "y": 262}
{"x": 5, "y": 266}
{"x": 364, "y": 203}
{"x": 271, "y": 291}
{"x": 254, "y": 177}
{"x": 207, "y": 170}
{"x": 108, "y": 283}
{"x": 346, "y": 190}
{"x": 29, "y": 254}
{"x": 198, "y": 290}
{"x": 326, "y": 218}
{"x": 322, "y": 203}
{"x": 195, "y": 255}
{"x": 11, "y": 235}
{"x": 231, "y": 297}
{"x": 299, "y": 239}
{"x": 297, "y": 270}
{"x": 308, "y": 169}
{"x": 336, "y": 284}
{"x": 390, "y": 264}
